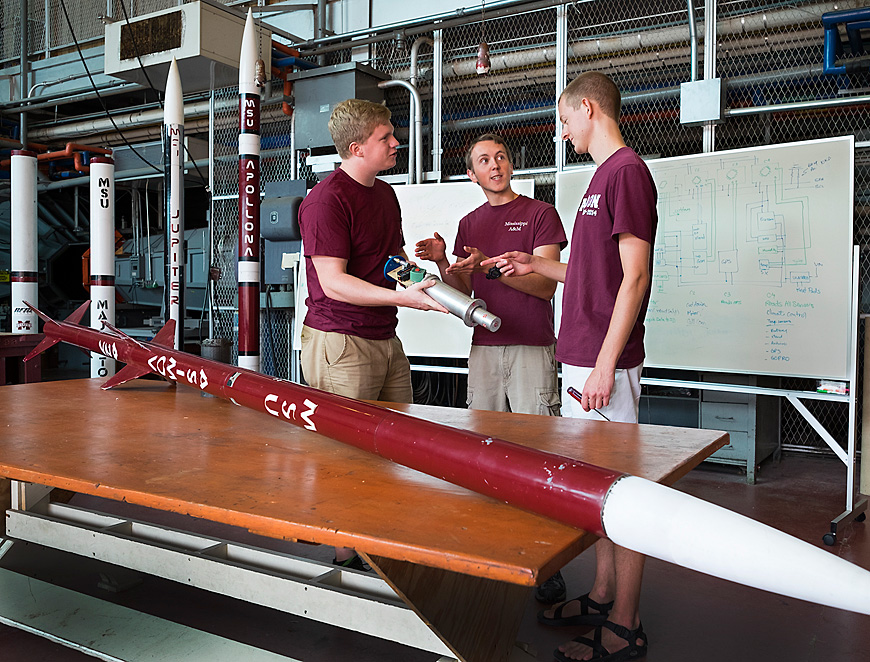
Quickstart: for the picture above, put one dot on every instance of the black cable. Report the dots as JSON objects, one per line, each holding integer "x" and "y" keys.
{"x": 97, "y": 92}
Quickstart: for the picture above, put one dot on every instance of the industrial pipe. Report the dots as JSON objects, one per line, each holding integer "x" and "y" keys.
{"x": 415, "y": 142}
{"x": 415, "y": 51}
{"x": 633, "y": 512}
{"x": 693, "y": 41}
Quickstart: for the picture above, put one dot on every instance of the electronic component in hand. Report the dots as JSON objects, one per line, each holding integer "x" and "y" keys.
{"x": 471, "y": 311}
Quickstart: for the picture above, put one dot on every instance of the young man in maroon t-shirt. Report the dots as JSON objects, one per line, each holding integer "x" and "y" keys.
{"x": 513, "y": 369}
{"x": 351, "y": 224}
{"x": 607, "y": 284}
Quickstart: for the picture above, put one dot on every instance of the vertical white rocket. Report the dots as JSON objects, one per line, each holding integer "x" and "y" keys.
{"x": 173, "y": 189}
{"x": 102, "y": 262}
{"x": 25, "y": 286}
{"x": 249, "y": 201}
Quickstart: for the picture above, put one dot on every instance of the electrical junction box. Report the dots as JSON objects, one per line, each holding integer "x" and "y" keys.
{"x": 702, "y": 101}
{"x": 279, "y": 226}
{"x": 203, "y": 37}
{"x": 317, "y": 91}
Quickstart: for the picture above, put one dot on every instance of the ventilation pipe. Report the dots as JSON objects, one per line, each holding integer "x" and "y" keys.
{"x": 693, "y": 41}
{"x": 415, "y": 141}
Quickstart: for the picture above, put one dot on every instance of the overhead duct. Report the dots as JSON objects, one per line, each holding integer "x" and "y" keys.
{"x": 204, "y": 39}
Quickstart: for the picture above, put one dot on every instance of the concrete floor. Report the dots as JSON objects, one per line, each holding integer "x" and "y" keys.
{"x": 688, "y": 616}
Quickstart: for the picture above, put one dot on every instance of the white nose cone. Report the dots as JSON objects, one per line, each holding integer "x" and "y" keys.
{"x": 248, "y": 58}
{"x": 173, "y": 101}
{"x": 661, "y": 522}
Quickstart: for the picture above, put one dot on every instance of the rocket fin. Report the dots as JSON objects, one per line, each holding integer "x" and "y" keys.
{"x": 166, "y": 336}
{"x": 45, "y": 318}
{"x": 114, "y": 329}
{"x": 76, "y": 316}
{"x": 43, "y": 345}
{"x": 126, "y": 374}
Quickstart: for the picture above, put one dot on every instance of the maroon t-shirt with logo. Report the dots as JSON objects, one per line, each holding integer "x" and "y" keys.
{"x": 342, "y": 218}
{"x": 620, "y": 198}
{"x": 523, "y": 224}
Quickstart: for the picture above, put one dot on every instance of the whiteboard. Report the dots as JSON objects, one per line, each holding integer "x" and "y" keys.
{"x": 753, "y": 259}
{"x": 426, "y": 209}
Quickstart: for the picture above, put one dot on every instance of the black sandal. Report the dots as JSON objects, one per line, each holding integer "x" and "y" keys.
{"x": 600, "y": 654}
{"x": 585, "y": 617}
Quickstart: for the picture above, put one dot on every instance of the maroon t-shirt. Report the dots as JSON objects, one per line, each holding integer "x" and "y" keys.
{"x": 342, "y": 218}
{"x": 620, "y": 198}
{"x": 520, "y": 225}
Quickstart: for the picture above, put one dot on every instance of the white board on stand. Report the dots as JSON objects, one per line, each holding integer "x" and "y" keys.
{"x": 426, "y": 209}
{"x": 753, "y": 259}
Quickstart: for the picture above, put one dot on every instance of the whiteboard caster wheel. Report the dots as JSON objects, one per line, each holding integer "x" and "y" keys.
{"x": 829, "y": 539}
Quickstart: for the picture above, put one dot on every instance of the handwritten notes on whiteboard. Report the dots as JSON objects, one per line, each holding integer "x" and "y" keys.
{"x": 753, "y": 259}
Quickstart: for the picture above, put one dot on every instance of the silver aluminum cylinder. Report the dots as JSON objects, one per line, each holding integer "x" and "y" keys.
{"x": 471, "y": 311}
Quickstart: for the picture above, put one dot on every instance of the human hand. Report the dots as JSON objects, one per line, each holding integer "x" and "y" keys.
{"x": 470, "y": 264}
{"x": 433, "y": 249}
{"x": 415, "y": 297}
{"x": 512, "y": 263}
{"x": 597, "y": 389}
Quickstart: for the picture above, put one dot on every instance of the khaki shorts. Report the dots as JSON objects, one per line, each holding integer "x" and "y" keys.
{"x": 517, "y": 378}
{"x": 356, "y": 367}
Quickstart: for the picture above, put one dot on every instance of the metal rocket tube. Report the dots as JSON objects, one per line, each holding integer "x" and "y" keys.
{"x": 24, "y": 276}
{"x": 469, "y": 310}
{"x": 102, "y": 255}
{"x": 249, "y": 201}
{"x": 173, "y": 189}
{"x": 633, "y": 512}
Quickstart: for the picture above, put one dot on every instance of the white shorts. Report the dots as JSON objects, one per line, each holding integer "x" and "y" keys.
{"x": 624, "y": 398}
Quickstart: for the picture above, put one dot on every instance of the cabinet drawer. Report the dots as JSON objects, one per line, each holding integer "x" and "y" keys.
{"x": 737, "y": 448}
{"x": 725, "y": 416}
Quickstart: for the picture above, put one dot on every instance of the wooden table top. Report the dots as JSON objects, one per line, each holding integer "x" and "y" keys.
{"x": 170, "y": 448}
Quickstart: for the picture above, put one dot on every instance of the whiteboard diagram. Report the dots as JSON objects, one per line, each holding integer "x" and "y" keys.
{"x": 753, "y": 259}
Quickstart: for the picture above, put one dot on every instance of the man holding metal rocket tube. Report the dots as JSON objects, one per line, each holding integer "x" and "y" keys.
{"x": 351, "y": 224}
{"x": 607, "y": 278}
{"x": 515, "y": 369}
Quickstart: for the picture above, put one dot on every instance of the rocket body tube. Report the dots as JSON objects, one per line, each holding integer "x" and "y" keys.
{"x": 249, "y": 202}
{"x": 173, "y": 186}
{"x": 635, "y": 513}
{"x": 24, "y": 271}
{"x": 102, "y": 256}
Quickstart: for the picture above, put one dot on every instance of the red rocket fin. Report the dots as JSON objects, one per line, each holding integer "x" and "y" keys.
{"x": 76, "y": 315}
{"x": 126, "y": 374}
{"x": 114, "y": 329}
{"x": 47, "y": 342}
{"x": 166, "y": 336}
{"x": 43, "y": 345}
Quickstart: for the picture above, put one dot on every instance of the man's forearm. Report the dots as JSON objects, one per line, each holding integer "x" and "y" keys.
{"x": 552, "y": 269}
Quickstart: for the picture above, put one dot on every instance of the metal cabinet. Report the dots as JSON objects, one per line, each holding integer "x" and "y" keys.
{"x": 752, "y": 421}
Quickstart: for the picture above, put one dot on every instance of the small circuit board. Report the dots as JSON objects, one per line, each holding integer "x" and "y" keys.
{"x": 403, "y": 272}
